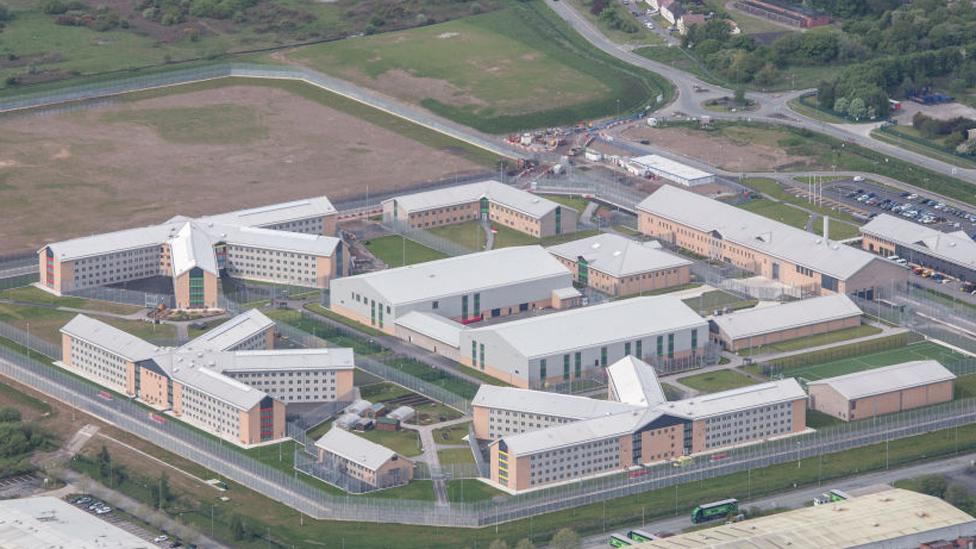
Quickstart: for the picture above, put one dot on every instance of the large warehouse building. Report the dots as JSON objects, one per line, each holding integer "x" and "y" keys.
{"x": 891, "y": 518}
{"x": 768, "y": 325}
{"x": 487, "y": 200}
{"x": 761, "y": 245}
{"x": 659, "y": 166}
{"x": 212, "y": 382}
{"x": 289, "y": 243}
{"x": 580, "y": 343}
{"x": 951, "y": 253}
{"x": 466, "y": 288}
{"x": 882, "y": 391}
{"x": 620, "y": 266}
{"x": 542, "y": 438}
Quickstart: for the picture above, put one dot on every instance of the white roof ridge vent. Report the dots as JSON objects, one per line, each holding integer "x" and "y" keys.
{"x": 595, "y": 245}
{"x": 617, "y": 253}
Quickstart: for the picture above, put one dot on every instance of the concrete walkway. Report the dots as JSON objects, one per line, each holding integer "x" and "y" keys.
{"x": 430, "y": 457}
{"x": 489, "y": 236}
{"x": 885, "y": 332}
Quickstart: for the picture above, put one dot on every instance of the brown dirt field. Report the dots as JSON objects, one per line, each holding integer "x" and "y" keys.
{"x": 727, "y": 151}
{"x": 76, "y": 173}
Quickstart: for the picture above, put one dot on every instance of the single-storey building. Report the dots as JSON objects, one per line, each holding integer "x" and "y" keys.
{"x": 767, "y": 325}
{"x": 366, "y": 461}
{"x": 619, "y": 266}
{"x": 657, "y": 165}
{"x": 882, "y": 391}
{"x": 952, "y": 253}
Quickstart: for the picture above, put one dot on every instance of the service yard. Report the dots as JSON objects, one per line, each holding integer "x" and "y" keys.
{"x": 200, "y": 149}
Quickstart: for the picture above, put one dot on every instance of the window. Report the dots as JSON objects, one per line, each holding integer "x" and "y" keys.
{"x": 828, "y": 283}
{"x": 626, "y": 348}
{"x": 670, "y": 345}
{"x": 660, "y": 345}
{"x": 481, "y": 348}
{"x": 565, "y": 367}
{"x": 603, "y": 357}
{"x": 694, "y": 339}
{"x": 640, "y": 349}
{"x": 579, "y": 364}
{"x": 542, "y": 370}
{"x": 434, "y": 305}
{"x": 474, "y": 353}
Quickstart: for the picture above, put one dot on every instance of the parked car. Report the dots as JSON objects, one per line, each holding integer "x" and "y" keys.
{"x": 82, "y": 500}
{"x": 160, "y": 538}
{"x": 103, "y": 509}
{"x": 858, "y": 178}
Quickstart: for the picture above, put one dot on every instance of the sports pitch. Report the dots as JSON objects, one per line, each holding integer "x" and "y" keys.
{"x": 916, "y": 351}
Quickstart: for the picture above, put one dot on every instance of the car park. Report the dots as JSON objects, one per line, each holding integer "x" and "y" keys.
{"x": 83, "y": 500}
{"x": 103, "y": 509}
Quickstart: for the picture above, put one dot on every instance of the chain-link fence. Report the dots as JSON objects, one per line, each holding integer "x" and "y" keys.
{"x": 446, "y": 471}
{"x": 613, "y": 190}
{"x": 34, "y": 343}
{"x": 17, "y": 280}
{"x": 427, "y": 238}
{"x": 125, "y": 296}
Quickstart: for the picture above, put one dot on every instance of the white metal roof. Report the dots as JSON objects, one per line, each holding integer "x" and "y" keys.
{"x": 48, "y": 522}
{"x": 887, "y": 379}
{"x": 275, "y": 214}
{"x": 881, "y": 519}
{"x": 617, "y": 255}
{"x": 669, "y": 166}
{"x": 735, "y": 400}
{"x": 192, "y": 247}
{"x": 757, "y": 232}
{"x": 109, "y": 338}
{"x": 546, "y": 404}
{"x": 500, "y": 193}
{"x": 586, "y": 327}
{"x": 355, "y": 448}
{"x": 464, "y": 274}
{"x": 116, "y": 241}
{"x": 232, "y": 332}
{"x": 765, "y": 320}
{"x": 635, "y": 382}
{"x": 568, "y": 292}
{"x": 956, "y": 247}
{"x": 283, "y": 241}
{"x": 213, "y": 383}
{"x": 433, "y": 326}
{"x": 579, "y": 432}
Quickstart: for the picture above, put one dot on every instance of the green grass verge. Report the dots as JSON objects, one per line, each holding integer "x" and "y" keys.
{"x": 468, "y": 235}
{"x": 417, "y": 490}
{"x": 567, "y": 237}
{"x": 397, "y": 251}
{"x": 491, "y": 69}
{"x": 964, "y": 387}
{"x": 471, "y": 490}
{"x": 819, "y": 420}
{"x": 910, "y": 139}
{"x": 863, "y": 330}
{"x": 453, "y": 456}
{"x": 671, "y": 392}
{"x": 453, "y": 434}
{"x": 30, "y": 294}
{"x": 403, "y": 442}
{"x": 784, "y": 213}
{"x": 319, "y": 309}
{"x": 773, "y": 189}
{"x": 719, "y": 380}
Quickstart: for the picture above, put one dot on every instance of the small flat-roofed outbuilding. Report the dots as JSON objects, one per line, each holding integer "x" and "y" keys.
{"x": 881, "y": 391}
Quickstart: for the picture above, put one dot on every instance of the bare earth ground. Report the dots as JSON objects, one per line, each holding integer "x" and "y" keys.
{"x": 131, "y": 163}
{"x": 725, "y": 151}
{"x": 944, "y": 111}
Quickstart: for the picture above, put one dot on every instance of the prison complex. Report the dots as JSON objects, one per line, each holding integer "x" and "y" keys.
{"x": 228, "y": 382}
{"x": 486, "y": 201}
{"x": 761, "y": 245}
{"x": 352, "y": 455}
{"x": 290, "y": 243}
{"x": 619, "y": 266}
{"x": 541, "y": 438}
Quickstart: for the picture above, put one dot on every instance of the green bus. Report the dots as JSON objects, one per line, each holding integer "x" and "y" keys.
{"x": 641, "y": 536}
{"x": 616, "y": 540}
{"x": 714, "y": 510}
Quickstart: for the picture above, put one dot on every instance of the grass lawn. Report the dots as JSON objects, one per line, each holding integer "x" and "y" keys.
{"x": 382, "y": 391}
{"x": 575, "y": 202}
{"x": 772, "y": 188}
{"x": 397, "y": 251}
{"x": 226, "y": 124}
{"x": 964, "y": 387}
{"x": 671, "y": 392}
{"x": 819, "y": 420}
{"x": 144, "y": 330}
{"x": 207, "y": 326}
{"x": 319, "y": 309}
{"x": 814, "y": 340}
{"x": 640, "y": 36}
{"x": 679, "y": 59}
{"x": 456, "y": 385}
{"x": 30, "y": 294}
{"x": 403, "y": 442}
{"x": 45, "y": 323}
{"x": 717, "y": 299}
{"x": 719, "y": 380}
{"x": 455, "y": 455}
{"x": 469, "y": 234}
{"x": 808, "y": 106}
{"x": 568, "y": 237}
{"x": 417, "y": 490}
{"x": 784, "y": 213}
{"x": 452, "y": 434}
{"x": 488, "y": 71}
{"x": 916, "y": 351}
{"x": 471, "y": 490}
{"x": 434, "y": 412}
{"x": 506, "y": 237}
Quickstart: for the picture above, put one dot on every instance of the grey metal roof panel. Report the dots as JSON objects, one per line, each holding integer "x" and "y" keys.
{"x": 275, "y": 214}
{"x": 580, "y": 432}
{"x": 887, "y": 379}
{"x": 667, "y": 165}
{"x": 757, "y": 232}
{"x": 735, "y": 400}
{"x": 635, "y": 382}
{"x": 433, "y": 326}
{"x": 618, "y": 256}
{"x": 464, "y": 274}
{"x": 109, "y": 337}
{"x": 48, "y": 522}
{"x": 586, "y": 327}
{"x": 765, "y": 320}
{"x": 355, "y": 448}
{"x": 546, "y": 403}
{"x": 231, "y": 332}
{"x": 500, "y": 193}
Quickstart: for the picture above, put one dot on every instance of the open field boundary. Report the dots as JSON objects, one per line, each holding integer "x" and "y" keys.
{"x": 89, "y": 92}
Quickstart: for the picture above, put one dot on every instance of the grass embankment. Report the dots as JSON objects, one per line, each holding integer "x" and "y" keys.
{"x": 532, "y": 53}
{"x": 863, "y": 330}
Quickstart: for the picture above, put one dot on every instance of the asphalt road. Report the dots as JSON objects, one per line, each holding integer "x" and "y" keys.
{"x": 773, "y": 107}
{"x": 800, "y": 497}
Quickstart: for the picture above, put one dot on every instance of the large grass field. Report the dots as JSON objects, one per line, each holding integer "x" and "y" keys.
{"x": 916, "y": 351}
{"x": 515, "y": 68}
{"x": 719, "y": 380}
{"x": 813, "y": 341}
{"x": 469, "y": 234}
{"x": 45, "y": 323}
{"x": 403, "y": 442}
{"x": 30, "y": 294}
{"x": 397, "y": 251}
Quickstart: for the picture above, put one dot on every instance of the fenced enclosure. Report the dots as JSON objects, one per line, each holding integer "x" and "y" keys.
{"x": 427, "y": 238}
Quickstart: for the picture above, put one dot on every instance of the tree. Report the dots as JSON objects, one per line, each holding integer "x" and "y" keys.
{"x": 5, "y": 14}
{"x": 237, "y": 528}
{"x": 104, "y": 460}
{"x": 933, "y": 485}
{"x": 498, "y": 544}
{"x": 957, "y": 495}
{"x": 841, "y": 105}
{"x": 165, "y": 495}
{"x": 9, "y": 414}
{"x": 566, "y": 539}
{"x": 767, "y": 75}
{"x": 826, "y": 93}
{"x": 740, "y": 96}
{"x": 857, "y": 109}
{"x": 525, "y": 543}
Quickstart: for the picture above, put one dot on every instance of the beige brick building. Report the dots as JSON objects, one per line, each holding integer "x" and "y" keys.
{"x": 486, "y": 200}
{"x": 880, "y": 391}
{"x": 374, "y": 465}
{"x": 763, "y": 246}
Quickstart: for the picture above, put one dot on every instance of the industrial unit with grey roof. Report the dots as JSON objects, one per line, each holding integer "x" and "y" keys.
{"x": 500, "y": 193}
{"x": 956, "y": 248}
{"x": 618, "y": 256}
{"x": 786, "y": 316}
{"x": 877, "y": 381}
